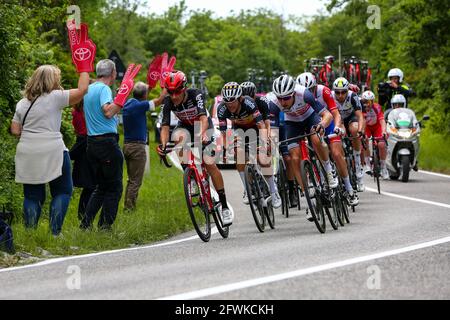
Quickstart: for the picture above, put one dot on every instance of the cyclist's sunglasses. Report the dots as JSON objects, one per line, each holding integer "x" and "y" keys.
{"x": 340, "y": 92}
{"x": 229, "y": 100}
{"x": 285, "y": 98}
{"x": 175, "y": 92}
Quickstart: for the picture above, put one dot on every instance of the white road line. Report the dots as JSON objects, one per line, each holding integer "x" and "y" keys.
{"x": 439, "y": 204}
{"x": 298, "y": 273}
{"x": 435, "y": 174}
{"x": 62, "y": 259}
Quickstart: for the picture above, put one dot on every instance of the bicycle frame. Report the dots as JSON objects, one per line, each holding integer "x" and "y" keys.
{"x": 202, "y": 180}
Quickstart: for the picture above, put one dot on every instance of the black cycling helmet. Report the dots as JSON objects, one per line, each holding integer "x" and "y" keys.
{"x": 248, "y": 89}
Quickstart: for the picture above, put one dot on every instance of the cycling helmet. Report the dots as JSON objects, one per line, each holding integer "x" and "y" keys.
{"x": 307, "y": 80}
{"x": 329, "y": 58}
{"x": 284, "y": 86}
{"x": 341, "y": 84}
{"x": 175, "y": 82}
{"x": 368, "y": 96}
{"x": 398, "y": 99}
{"x": 231, "y": 91}
{"x": 248, "y": 89}
{"x": 396, "y": 73}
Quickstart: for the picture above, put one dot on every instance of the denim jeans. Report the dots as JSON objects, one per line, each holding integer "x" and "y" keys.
{"x": 61, "y": 191}
{"x": 106, "y": 159}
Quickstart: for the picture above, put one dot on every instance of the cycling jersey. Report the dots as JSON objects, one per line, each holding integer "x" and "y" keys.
{"x": 373, "y": 120}
{"x": 262, "y": 103}
{"x": 349, "y": 106}
{"x": 324, "y": 96}
{"x": 304, "y": 105}
{"x": 247, "y": 117}
{"x": 187, "y": 112}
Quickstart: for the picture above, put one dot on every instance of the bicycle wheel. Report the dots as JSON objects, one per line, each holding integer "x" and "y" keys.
{"x": 268, "y": 210}
{"x": 376, "y": 170}
{"x": 312, "y": 194}
{"x": 330, "y": 196}
{"x": 283, "y": 188}
{"x": 197, "y": 207}
{"x": 223, "y": 231}
{"x": 254, "y": 196}
{"x": 340, "y": 202}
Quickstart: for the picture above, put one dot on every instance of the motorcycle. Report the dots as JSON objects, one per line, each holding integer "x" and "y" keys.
{"x": 403, "y": 143}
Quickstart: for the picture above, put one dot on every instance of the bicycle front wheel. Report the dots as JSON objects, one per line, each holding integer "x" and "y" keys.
{"x": 312, "y": 194}
{"x": 197, "y": 207}
{"x": 254, "y": 195}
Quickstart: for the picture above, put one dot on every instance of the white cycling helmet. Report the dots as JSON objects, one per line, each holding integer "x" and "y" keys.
{"x": 341, "y": 84}
{"x": 396, "y": 73}
{"x": 284, "y": 86}
{"x": 398, "y": 98}
{"x": 368, "y": 96}
{"x": 231, "y": 91}
{"x": 307, "y": 80}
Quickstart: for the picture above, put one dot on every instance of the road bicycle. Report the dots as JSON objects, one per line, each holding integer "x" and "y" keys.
{"x": 376, "y": 166}
{"x": 258, "y": 192}
{"x": 318, "y": 193}
{"x": 197, "y": 189}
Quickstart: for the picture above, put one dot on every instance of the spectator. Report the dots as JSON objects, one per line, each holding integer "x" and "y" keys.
{"x": 103, "y": 151}
{"x": 82, "y": 174}
{"x": 135, "y": 131}
{"x": 41, "y": 156}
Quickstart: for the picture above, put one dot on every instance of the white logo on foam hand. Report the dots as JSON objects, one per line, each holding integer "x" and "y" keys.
{"x": 124, "y": 89}
{"x": 82, "y": 54}
{"x": 154, "y": 75}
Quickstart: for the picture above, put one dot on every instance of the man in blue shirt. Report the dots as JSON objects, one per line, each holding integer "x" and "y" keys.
{"x": 103, "y": 151}
{"x": 135, "y": 131}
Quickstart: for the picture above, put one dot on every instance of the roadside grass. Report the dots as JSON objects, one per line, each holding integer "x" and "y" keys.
{"x": 161, "y": 213}
{"x": 434, "y": 152}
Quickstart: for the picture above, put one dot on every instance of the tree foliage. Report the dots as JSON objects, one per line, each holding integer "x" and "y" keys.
{"x": 414, "y": 36}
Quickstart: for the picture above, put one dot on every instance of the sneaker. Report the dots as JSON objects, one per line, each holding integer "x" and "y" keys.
{"x": 332, "y": 180}
{"x": 293, "y": 199}
{"x": 367, "y": 169}
{"x": 309, "y": 216}
{"x": 227, "y": 217}
{"x": 352, "y": 199}
{"x": 385, "y": 174}
{"x": 361, "y": 186}
{"x": 245, "y": 198}
{"x": 276, "y": 200}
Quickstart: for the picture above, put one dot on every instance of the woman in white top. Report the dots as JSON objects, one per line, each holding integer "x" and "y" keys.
{"x": 41, "y": 156}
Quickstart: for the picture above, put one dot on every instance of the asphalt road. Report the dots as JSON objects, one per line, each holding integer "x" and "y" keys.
{"x": 385, "y": 253}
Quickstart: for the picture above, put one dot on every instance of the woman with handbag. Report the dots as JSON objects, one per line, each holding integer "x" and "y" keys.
{"x": 41, "y": 156}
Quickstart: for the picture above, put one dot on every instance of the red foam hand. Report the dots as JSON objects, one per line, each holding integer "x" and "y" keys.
{"x": 127, "y": 85}
{"x": 154, "y": 71}
{"x": 83, "y": 49}
{"x": 164, "y": 64}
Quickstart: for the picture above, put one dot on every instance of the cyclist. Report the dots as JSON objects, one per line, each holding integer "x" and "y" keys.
{"x": 323, "y": 95}
{"x": 244, "y": 114}
{"x": 189, "y": 107}
{"x": 303, "y": 114}
{"x": 375, "y": 127}
{"x": 351, "y": 112}
{"x": 263, "y": 105}
{"x": 327, "y": 75}
{"x": 277, "y": 121}
{"x": 394, "y": 86}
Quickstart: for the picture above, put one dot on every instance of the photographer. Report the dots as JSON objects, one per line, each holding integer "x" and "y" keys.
{"x": 394, "y": 86}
